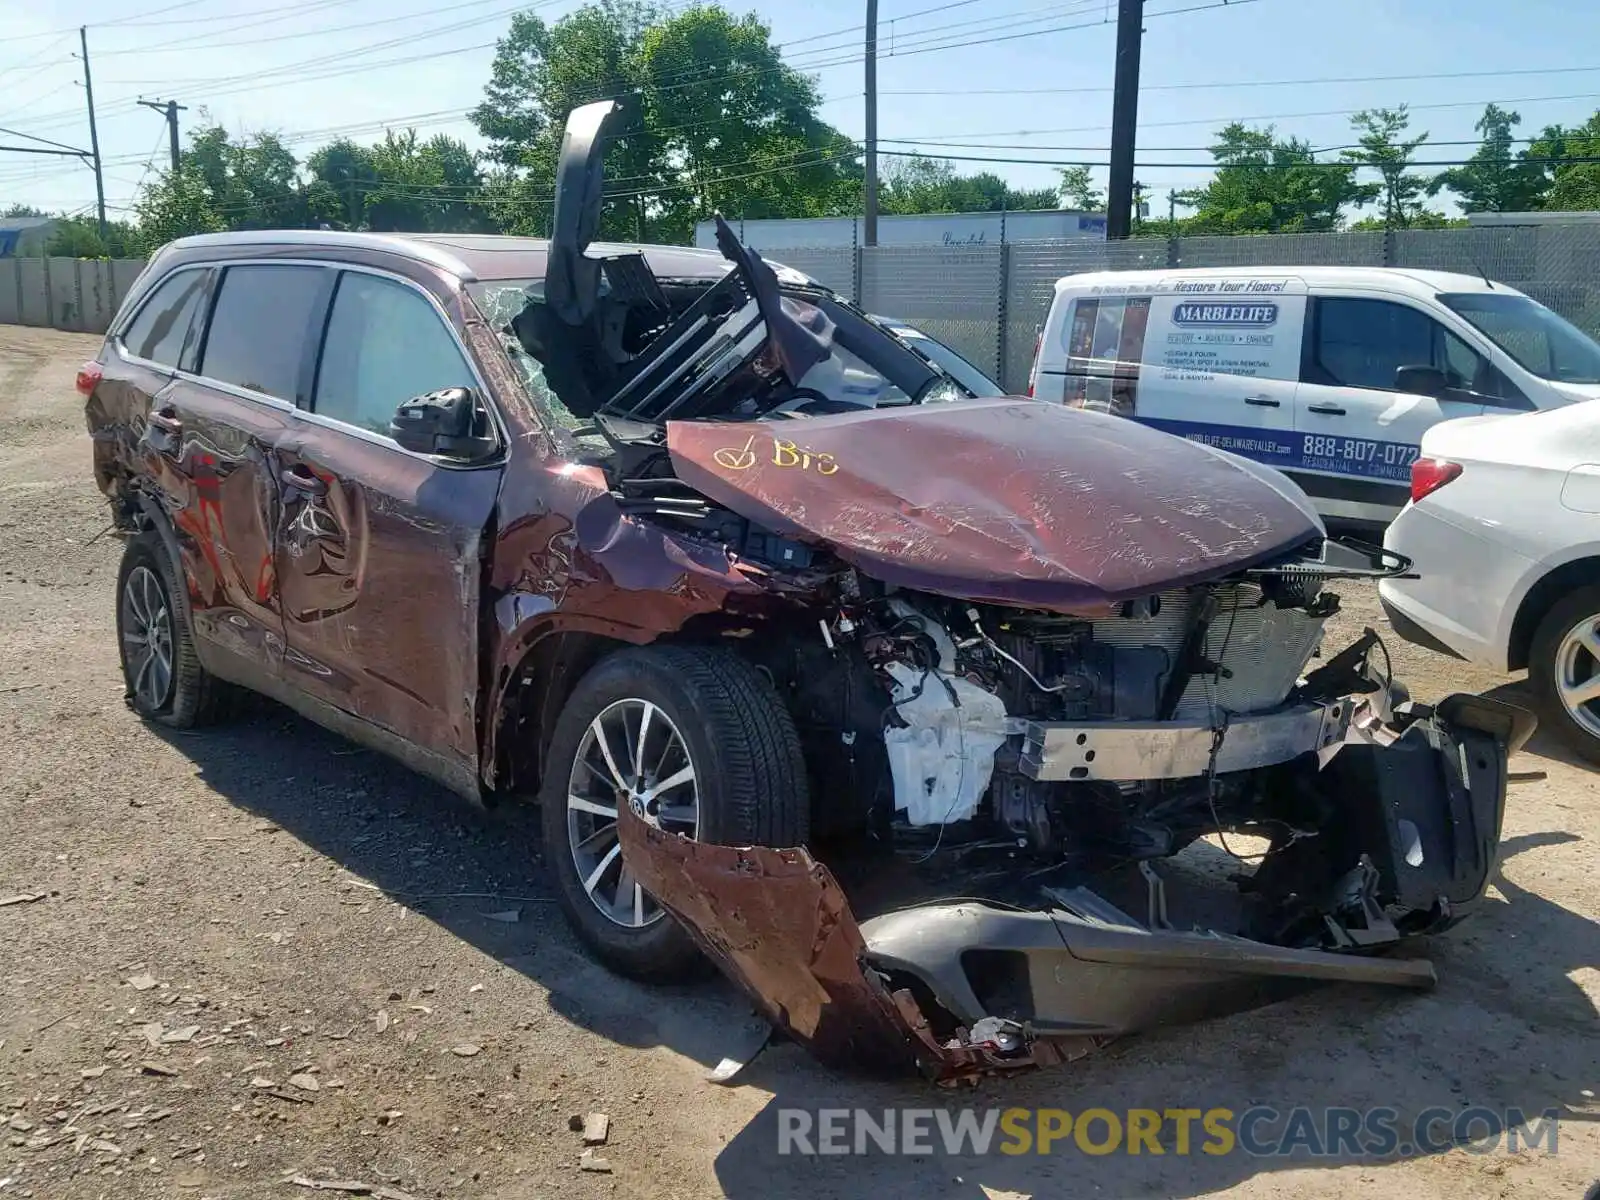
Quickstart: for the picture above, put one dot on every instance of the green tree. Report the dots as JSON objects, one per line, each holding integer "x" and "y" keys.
{"x": 253, "y": 183}
{"x": 176, "y": 205}
{"x": 223, "y": 184}
{"x": 1574, "y": 186}
{"x": 340, "y": 175}
{"x": 1493, "y": 179}
{"x": 1266, "y": 185}
{"x": 1077, "y": 190}
{"x": 24, "y": 210}
{"x": 1382, "y": 148}
{"x": 916, "y": 184}
{"x": 541, "y": 73}
{"x": 712, "y": 120}
{"x": 424, "y": 187}
{"x": 79, "y": 237}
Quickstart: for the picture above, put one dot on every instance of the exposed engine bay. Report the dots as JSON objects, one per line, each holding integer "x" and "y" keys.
{"x": 1027, "y": 650}
{"x": 993, "y": 787}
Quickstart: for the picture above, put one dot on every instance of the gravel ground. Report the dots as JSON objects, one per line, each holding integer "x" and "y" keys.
{"x": 253, "y": 960}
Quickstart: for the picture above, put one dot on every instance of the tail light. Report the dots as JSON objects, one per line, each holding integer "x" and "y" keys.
{"x": 1428, "y": 475}
{"x": 89, "y": 377}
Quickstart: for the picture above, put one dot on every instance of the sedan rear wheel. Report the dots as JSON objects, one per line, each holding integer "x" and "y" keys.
{"x": 1578, "y": 674}
{"x": 1564, "y": 671}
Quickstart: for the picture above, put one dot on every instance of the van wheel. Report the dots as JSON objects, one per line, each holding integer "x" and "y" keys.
{"x": 702, "y": 740}
{"x": 163, "y": 678}
{"x": 1564, "y": 671}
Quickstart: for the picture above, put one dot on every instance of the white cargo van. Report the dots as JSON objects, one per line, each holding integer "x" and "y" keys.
{"x": 1330, "y": 374}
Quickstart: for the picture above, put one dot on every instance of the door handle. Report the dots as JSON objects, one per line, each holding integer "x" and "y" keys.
{"x": 166, "y": 420}
{"x": 163, "y": 431}
{"x": 1327, "y": 410}
{"x": 300, "y": 479}
{"x": 1262, "y": 401}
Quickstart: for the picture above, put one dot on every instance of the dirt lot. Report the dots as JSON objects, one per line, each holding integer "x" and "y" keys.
{"x": 224, "y": 911}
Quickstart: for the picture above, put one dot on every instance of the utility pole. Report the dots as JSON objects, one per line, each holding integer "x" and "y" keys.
{"x": 1124, "y": 118}
{"x": 1138, "y": 204}
{"x": 94, "y": 136}
{"x": 171, "y": 108}
{"x": 870, "y": 225}
{"x": 1172, "y": 208}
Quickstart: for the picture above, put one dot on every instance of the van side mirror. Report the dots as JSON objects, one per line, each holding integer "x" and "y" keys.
{"x": 1421, "y": 381}
{"x": 445, "y": 422}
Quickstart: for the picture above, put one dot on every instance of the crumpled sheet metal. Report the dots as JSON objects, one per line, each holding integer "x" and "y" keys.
{"x": 1004, "y": 501}
{"x": 778, "y": 924}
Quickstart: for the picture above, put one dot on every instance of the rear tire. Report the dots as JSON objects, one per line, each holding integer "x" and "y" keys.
{"x": 1564, "y": 671}
{"x": 717, "y": 735}
{"x": 163, "y": 677}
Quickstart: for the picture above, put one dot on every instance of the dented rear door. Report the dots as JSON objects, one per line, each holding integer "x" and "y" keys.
{"x": 378, "y": 548}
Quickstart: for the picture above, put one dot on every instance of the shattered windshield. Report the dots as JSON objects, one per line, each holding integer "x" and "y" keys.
{"x": 500, "y": 300}
{"x": 865, "y": 366}
{"x": 1540, "y": 340}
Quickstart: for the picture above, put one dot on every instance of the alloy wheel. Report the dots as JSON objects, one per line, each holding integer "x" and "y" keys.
{"x": 1577, "y": 674}
{"x": 631, "y": 754}
{"x": 147, "y": 638}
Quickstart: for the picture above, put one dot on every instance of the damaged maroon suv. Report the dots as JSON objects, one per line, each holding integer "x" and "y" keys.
{"x": 734, "y": 582}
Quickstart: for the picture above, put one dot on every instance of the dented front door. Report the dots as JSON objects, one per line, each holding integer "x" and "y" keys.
{"x": 377, "y": 562}
{"x": 378, "y": 548}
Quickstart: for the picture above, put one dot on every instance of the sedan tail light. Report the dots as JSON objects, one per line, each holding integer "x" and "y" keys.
{"x": 1428, "y": 475}
{"x": 89, "y": 377}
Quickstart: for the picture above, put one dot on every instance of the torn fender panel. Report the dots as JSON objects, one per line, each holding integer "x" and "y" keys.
{"x": 1008, "y": 501}
{"x": 777, "y": 923}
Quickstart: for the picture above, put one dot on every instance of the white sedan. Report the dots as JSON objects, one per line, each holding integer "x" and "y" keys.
{"x": 1504, "y": 530}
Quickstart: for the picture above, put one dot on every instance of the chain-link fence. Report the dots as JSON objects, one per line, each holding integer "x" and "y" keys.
{"x": 989, "y": 301}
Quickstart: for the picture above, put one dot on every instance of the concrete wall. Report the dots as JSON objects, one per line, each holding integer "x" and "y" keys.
{"x": 76, "y": 294}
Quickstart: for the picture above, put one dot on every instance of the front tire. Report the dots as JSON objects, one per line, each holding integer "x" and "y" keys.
{"x": 163, "y": 677}
{"x": 704, "y": 741}
{"x": 1564, "y": 671}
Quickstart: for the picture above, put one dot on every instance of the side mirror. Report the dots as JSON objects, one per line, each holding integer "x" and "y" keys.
{"x": 1421, "y": 381}
{"x": 445, "y": 422}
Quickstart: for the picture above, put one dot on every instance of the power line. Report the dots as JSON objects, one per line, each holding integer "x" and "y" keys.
{"x": 137, "y": 19}
{"x": 339, "y": 64}
{"x": 275, "y": 9}
{"x": 1212, "y": 166}
{"x": 45, "y": 141}
{"x": 1220, "y": 121}
{"x": 198, "y": 42}
{"x": 1247, "y": 83}
{"x": 284, "y": 71}
{"x": 668, "y": 81}
{"x": 990, "y": 20}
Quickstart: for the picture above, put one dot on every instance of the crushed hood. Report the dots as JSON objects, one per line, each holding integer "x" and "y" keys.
{"x": 572, "y": 280}
{"x": 1008, "y": 501}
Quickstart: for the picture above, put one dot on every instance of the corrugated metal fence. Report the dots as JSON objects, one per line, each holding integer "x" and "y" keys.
{"x": 988, "y": 301}
{"x": 77, "y": 294}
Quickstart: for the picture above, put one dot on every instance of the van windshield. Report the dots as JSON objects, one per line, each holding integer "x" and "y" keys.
{"x": 1537, "y": 338}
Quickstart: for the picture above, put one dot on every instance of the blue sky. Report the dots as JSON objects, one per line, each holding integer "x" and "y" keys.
{"x": 1258, "y": 60}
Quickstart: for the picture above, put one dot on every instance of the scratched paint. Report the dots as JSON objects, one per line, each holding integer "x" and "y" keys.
{"x": 1008, "y": 501}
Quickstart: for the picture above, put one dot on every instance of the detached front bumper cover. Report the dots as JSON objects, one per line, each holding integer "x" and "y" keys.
{"x": 1425, "y": 804}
